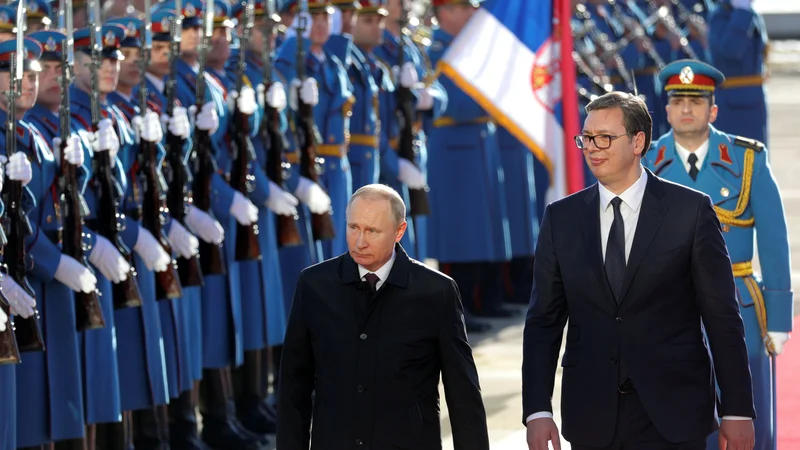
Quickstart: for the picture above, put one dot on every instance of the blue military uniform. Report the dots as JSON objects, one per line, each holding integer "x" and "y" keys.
{"x": 738, "y": 48}
{"x": 100, "y": 375}
{"x": 52, "y": 409}
{"x": 37, "y": 13}
{"x": 736, "y": 174}
{"x": 141, "y": 364}
{"x": 331, "y": 116}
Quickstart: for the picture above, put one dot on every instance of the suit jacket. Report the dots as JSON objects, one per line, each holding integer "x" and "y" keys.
{"x": 678, "y": 275}
{"x": 375, "y": 371}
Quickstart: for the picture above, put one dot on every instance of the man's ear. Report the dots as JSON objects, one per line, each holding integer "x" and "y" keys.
{"x": 401, "y": 230}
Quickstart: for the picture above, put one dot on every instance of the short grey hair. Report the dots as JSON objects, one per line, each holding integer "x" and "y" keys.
{"x": 382, "y": 192}
{"x": 634, "y": 113}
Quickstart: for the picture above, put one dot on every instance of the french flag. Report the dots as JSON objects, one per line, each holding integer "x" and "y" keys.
{"x": 514, "y": 57}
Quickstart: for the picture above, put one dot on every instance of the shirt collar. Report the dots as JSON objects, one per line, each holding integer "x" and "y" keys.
{"x": 158, "y": 83}
{"x": 632, "y": 196}
{"x": 383, "y": 272}
{"x": 701, "y": 153}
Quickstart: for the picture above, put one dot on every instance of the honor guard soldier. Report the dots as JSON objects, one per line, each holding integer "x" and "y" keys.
{"x": 469, "y": 231}
{"x": 97, "y": 345}
{"x": 140, "y": 352}
{"x": 265, "y": 329}
{"x": 183, "y": 428}
{"x": 37, "y": 14}
{"x": 49, "y": 403}
{"x": 738, "y": 48}
{"x": 333, "y": 102}
{"x": 734, "y": 172}
{"x": 221, "y": 293}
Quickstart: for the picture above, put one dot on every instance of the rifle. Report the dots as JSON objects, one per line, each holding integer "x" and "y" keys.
{"x": 211, "y": 257}
{"x": 308, "y": 136}
{"x": 88, "y": 313}
{"x": 406, "y": 115}
{"x": 287, "y": 231}
{"x": 247, "y": 247}
{"x": 9, "y": 352}
{"x": 179, "y": 194}
{"x": 28, "y": 331}
{"x": 125, "y": 293}
{"x": 168, "y": 285}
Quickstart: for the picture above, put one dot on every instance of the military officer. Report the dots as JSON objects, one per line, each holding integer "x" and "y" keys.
{"x": 331, "y": 115}
{"x": 140, "y": 351}
{"x": 37, "y": 14}
{"x": 738, "y": 48}
{"x": 469, "y": 231}
{"x": 734, "y": 172}
{"x": 267, "y": 327}
{"x": 184, "y": 432}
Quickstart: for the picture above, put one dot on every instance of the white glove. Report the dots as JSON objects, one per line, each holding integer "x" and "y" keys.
{"x": 408, "y": 75}
{"x": 410, "y": 174}
{"x": 309, "y": 92}
{"x": 207, "y": 118}
{"x": 19, "y": 168}
{"x": 21, "y": 303}
{"x": 779, "y": 339}
{"x": 204, "y": 226}
{"x": 312, "y": 195}
{"x": 424, "y": 99}
{"x": 280, "y": 201}
{"x": 741, "y": 4}
{"x": 183, "y": 242}
{"x": 148, "y": 128}
{"x": 243, "y": 210}
{"x": 246, "y": 100}
{"x": 106, "y": 138}
{"x": 75, "y": 275}
{"x": 3, "y": 320}
{"x": 73, "y": 152}
{"x": 109, "y": 261}
{"x": 178, "y": 124}
{"x": 276, "y": 96}
{"x": 154, "y": 256}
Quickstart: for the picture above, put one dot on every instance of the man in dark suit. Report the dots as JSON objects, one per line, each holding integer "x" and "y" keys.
{"x": 368, "y": 335}
{"x": 638, "y": 266}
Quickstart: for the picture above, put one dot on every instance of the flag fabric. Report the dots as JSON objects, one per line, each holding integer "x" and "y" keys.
{"x": 511, "y": 58}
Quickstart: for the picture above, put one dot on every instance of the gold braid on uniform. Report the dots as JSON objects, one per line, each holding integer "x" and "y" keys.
{"x": 729, "y": 217}
{"x": 761, "y": 311}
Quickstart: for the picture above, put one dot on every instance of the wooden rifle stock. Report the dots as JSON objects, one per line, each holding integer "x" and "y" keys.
{"x": 321, "y": 224}
{"x": 168, "y": 285}
{"x": 9, "y": 352}
{"x": 287, "y": 232}
{"x": 178, "y": 196}
{"x": 212, "y": 261}
{"x": 247, "y": 247}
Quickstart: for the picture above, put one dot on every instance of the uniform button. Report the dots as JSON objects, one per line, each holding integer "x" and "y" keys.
{"x": 359, "y": 442}
{"x": 49, "y": 219}
{"x": 363, "y": 336}
{"x": 331, "y": 138}
{"x": 613, "y": 360}
{"x": 368, "y": 156}
{"x": 360, "y": 389}
{"x": 619, "y": 319}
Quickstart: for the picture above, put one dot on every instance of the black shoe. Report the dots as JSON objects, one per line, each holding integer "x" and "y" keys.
{"x": 223, "y": 435}
{"x": 251, "y": 414}
{"x": 477, "y": 327}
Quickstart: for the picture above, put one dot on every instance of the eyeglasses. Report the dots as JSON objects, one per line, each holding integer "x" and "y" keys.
{"x": 601, "y": 141}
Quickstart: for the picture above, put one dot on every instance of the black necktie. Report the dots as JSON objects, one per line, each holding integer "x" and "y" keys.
{"x": 372, "y": 280}
{"x": 692, "y": 160}
{"x": 615, "y": 251}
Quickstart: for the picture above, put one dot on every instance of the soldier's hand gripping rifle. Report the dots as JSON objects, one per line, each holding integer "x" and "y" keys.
{"x": 168, "y": 285}
{"x": 247, "y": 247}
{"x": 107, "y": 222}
{"x": 307, "y": 134}
{"x": 9, "y": 352}
{"x": 28, "y": 331}
{"x": 211, "y": 258}
{"x": 88, "y": 313}
{"x": 288, "y": 233}
{"x": 179, "y": 194}
{"x": 406, "y": 116}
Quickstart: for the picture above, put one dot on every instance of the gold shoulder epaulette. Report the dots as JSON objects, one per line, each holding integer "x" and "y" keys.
{"x": 748, "y": 143}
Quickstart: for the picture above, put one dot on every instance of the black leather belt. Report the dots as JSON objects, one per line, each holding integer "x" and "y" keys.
{"x": 627, "y": 387}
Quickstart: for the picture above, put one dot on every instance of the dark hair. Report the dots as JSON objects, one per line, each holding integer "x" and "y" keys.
{"x": 634, "y": 113}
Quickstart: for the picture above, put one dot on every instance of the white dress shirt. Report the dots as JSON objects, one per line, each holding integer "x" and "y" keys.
{"x": 382, "y": 273}
{"x": 630, "y": 208}
{"x": 701, "y": 154}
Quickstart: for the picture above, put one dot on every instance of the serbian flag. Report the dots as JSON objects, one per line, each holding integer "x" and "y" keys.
{"x": 514, "y": 57}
